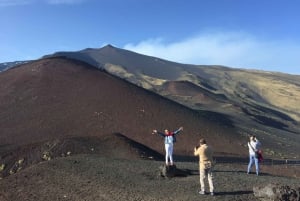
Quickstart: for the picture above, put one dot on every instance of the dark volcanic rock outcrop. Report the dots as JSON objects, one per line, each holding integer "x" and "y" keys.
{"x": 277, "y": 192}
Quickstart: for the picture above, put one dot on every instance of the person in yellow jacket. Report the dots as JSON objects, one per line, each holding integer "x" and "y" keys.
{"x": 205, "y": 154}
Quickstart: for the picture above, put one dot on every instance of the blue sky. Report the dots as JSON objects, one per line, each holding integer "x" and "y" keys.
{"x": 253, "y": 34}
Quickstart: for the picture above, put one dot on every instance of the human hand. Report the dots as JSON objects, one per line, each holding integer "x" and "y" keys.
{"x": 154, "y": 131}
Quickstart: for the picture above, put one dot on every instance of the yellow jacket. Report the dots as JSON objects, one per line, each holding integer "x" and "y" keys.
{"x": 205, "y": 154}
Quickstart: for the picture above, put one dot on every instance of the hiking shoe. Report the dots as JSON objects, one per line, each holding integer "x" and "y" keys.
{"x": 202, "y": 192}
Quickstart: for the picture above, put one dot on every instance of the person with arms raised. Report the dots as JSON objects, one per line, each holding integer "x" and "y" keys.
{"x": 169, "y": 140}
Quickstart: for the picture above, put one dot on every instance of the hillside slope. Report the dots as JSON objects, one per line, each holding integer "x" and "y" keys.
{"x": 256, "y": 102}
{"x": 58, "y": 98}
{"x": 258, "y": 87}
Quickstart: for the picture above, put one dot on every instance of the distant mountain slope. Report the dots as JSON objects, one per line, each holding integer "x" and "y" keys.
{"x": 8, "y": 65}
{"x": 246, "y": 95}
{"x": 268, "y": 89}
{"x": 111, "y": 58}
{"x": 58, "y": 98}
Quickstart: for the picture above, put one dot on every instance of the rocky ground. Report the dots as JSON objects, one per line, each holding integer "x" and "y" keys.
{"x": 93, "y": 177}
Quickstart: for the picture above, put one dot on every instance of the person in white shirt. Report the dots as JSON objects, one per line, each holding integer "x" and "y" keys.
{"x": 254, "y": 146}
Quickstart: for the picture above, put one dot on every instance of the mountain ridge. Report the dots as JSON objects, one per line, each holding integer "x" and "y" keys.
{"x": 154, "y": 72}
{"x": 218, "y": 91}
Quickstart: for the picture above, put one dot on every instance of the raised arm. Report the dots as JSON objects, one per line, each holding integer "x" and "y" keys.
{"x": 196, "y": 151}
{"x": 178, "y": 130}
{"x": 159, "y": 133}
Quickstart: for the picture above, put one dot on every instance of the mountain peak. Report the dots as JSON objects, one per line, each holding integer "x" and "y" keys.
{"x": 109, "y": 46}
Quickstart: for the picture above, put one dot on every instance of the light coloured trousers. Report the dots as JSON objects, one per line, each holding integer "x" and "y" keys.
{"x": 253, "y": 159}
{"x": 169, "y": 153}
{"x": 206, "y": 173}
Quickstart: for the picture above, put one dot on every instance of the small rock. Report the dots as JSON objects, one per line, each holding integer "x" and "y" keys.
{"x": 46, "y": 156}
{"x": 276, "y": 192}
{"x": 2, "y": 166}
{"x": 20, "y": 161}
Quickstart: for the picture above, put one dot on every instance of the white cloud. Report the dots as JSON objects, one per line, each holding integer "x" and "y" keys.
{"x": 233, "y": 49}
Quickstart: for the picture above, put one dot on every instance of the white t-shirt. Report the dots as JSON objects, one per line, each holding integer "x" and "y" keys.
{"x": 255, "y": 145}
{"x": 169, "y": 140}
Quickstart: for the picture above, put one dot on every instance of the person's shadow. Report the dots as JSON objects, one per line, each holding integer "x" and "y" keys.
{"x": 234, "y": 193}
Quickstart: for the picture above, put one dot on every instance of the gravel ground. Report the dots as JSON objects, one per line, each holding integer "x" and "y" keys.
{"x": 91, "y": 177}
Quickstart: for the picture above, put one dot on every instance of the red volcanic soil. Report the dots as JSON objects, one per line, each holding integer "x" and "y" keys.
{"x": 58, "y": 98}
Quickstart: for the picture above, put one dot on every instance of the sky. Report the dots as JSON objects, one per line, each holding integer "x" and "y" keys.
{"x": 250, "y": 34}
